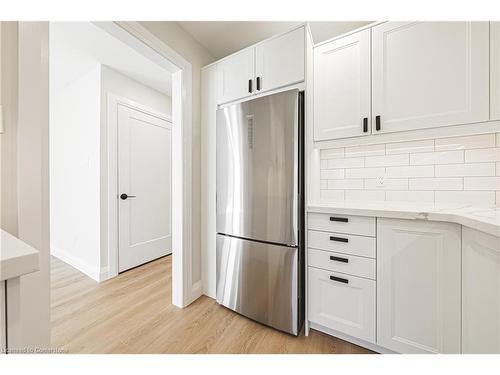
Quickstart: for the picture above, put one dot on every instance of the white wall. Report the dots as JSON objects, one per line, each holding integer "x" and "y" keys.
{"x": 183, "y": 43}
{"x": 113, "y": 82}
{"x": 75, "y": 169}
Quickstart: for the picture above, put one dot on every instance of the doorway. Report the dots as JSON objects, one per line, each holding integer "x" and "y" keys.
{"x": 177, "y": 240}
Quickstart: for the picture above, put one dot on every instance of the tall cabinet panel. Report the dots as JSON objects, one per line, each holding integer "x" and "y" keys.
{"x": 235, "y": 76}
{"x": 481, "y": 292}
{"x": 429, "y": 74}
{"x": 208, "y": 148}
{"x": 418, "y": 286}
{"x": 495, "y": 70}
{"x": 280, "y": 61}
{"x": 342, "y": 87}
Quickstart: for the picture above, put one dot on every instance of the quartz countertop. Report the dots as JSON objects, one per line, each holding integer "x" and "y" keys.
{"x": 485, "y": 219}
{"x": 16, "y": 257}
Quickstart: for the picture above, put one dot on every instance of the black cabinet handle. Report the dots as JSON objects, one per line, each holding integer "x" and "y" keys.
{"x": 126, "y": 196}
{"x": 339, "y": 279}
{"x": 339, "y": 239}
{"x": 341, "y": 219}
{"x": 377, "y": 122}
{"x": 339, "y": 259}
{"x": 258, "y": 83}
{"x": 250, "y": 86}
{"x": 365, "y": 125}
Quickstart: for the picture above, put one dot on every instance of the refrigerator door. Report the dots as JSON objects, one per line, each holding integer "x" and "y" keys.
{"x": 259, "y": 281}
{"x": 257, "y": 169}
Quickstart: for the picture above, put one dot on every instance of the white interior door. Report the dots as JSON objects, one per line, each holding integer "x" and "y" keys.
{"x": 144, "y": 187}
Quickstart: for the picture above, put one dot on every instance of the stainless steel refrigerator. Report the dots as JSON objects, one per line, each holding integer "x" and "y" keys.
{"x": 260, "y": 209}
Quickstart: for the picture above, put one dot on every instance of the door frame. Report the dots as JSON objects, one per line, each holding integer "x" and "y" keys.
{"x": 113, "y": 224}
{"x": 184, "y": 290}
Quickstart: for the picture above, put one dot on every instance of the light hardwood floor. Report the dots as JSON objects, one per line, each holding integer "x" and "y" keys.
{"x": 133, "y": 313}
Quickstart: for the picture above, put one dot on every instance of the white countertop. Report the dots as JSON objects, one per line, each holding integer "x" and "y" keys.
{"x": 16, "y": 257}
{"x": 485, "y": 219}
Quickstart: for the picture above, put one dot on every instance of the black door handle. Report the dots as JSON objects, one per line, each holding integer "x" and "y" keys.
{"x": 258, "y": 83}
{"x": 365, "y": 125}
{"x": 250, "y": 86}
{"x": 125, "y": 196}
{"x": 377, "y": 122}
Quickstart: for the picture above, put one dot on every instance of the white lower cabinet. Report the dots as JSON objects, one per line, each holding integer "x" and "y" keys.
{"x": 418, "y": 286}
{"x": 342, "y": 302}
{"x": 481, "y": 292}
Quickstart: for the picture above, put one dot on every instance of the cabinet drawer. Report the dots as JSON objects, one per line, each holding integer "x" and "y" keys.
{"x": 362, "y": 225}
{"x": 342, "y": 243}
{"x": 343, "y": 303}
{"x": 337, "y": 262}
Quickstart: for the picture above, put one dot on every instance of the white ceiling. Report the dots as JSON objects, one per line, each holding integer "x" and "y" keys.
{"x": 223, "y": 38}
{"x": 90, "y": 44}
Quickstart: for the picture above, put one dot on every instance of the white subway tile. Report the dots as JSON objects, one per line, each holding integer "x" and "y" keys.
{"x": 332, "y": 153}
{"x": 465, "y": 143}
{"x": 389, "y": 184}
{"x": 364, "y": 172}
{"x": 498, "y": 168}
{"x": 443, "y": 157}
{"x": 410, "y": 196}
{"x": 329, "y": 174}
{"x": 410, "y": 147}
{"x": 345, "y": 184}
{"x": 346, "y": 163}
{"x": 482, "y": 155}
{"x": 364, "y": 195}
{"x": 497, "y": 198}
{"x": 332, "y": 195}
{"x": 323, "y": 164}
{"x": 451, "y": 183}
{"x": 486, "y": 198}
{"x": 413, "y": 171}
{"x": 368, "y": 150}
{"x": 481, "y": 183}
{"x": 323, "y": 184}
{"x": 386, "y": 161}
{"x": 458, "y": 170}
{"x": 498, "y": 139}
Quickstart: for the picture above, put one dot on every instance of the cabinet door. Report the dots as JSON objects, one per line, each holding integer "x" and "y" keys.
{"x": 495, "y": 70}
{"x": 280, "y": 61}
{"x": 342, "y": 87}
{"x": 235, "y": 76}
{"x": 418, "y": 286}
{"x": 429, "y": 74}
{"x": 481, "y": 292}
{"x": 342, "y": 302}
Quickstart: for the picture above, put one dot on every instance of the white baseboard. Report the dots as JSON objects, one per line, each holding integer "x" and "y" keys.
{"x": 95, "y": 273}
{"x": 196, "y": 291}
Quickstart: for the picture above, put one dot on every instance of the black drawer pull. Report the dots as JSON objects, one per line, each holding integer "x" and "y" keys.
{"x": 250, "y": 86}
{"x": 339, "y": 259}
{"x": 258, "y": 83}
{"x": 365, "y": 125}
{"x": 339, "y": 239}
{"x": 339, "y": 279}
{"x": 377, "y": 123}
{"x": 341, "y": 219}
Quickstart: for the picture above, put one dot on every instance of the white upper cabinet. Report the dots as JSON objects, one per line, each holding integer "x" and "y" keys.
{"x": 280, "y": 61}
{"x": 418, "y": 286}
{"x": 429, "y": 74}
{"x": 235, "y": 76}
{"x": 342, "y": 87}
{"x": 495, "y": 70}
{"x": 271, "y": 64}
{"x": 481, "y": 292}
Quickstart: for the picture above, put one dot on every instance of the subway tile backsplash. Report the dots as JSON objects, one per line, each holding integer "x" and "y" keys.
{"x": 445, "y": 170}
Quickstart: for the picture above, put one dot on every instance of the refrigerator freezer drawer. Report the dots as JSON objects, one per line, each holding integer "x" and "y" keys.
{"x": 259, "y": 280}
